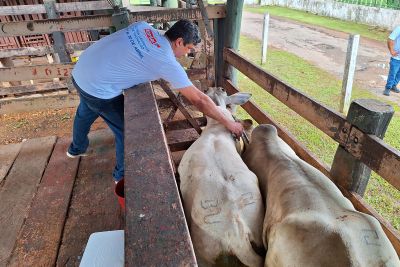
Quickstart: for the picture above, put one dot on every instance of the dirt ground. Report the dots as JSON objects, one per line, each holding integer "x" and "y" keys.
{"x": 326, "y": 49}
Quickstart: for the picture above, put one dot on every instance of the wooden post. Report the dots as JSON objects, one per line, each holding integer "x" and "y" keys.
{"x": 232, "y": 33}
{"x": 371, "y": 117}
{"x": 219, "y": 34}
{"x": 265, "y": 39}
{"x": 58, "y": 37}
{"x": 349, "y": 69}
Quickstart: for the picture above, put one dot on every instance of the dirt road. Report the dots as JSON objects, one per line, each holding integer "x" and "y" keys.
{"x": 326, "y": 49}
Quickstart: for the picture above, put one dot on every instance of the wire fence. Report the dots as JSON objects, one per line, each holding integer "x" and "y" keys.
{"x": 393, "y": 4}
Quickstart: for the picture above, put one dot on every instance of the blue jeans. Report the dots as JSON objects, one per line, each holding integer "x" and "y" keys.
{"x": 112, "y": 112}
{"x": 394, "y": 74}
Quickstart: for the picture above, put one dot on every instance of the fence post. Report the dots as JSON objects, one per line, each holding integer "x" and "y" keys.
{"x": 265, "y": 38}
{"x": 233, "y": 21}
{"x": 349, "y": 69}
{"x": 371, "y": 117}
{"x": 59, "y": 38}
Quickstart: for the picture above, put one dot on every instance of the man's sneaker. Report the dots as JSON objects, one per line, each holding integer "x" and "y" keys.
{"x": 386, "y": 92}
{"x": 395, "y": 89}
{"x": 76, "y": 156}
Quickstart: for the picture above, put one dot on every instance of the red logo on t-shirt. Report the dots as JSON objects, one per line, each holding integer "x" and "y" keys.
{"x": 151, "y": 38}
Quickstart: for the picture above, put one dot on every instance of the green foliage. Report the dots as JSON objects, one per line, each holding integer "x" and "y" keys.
{"x": 325, "y": 88}
{"x": 330, "y": 23}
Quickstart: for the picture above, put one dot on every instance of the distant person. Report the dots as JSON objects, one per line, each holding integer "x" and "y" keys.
{"x": 393, "y": 79}
{"x": 128, "y": 57}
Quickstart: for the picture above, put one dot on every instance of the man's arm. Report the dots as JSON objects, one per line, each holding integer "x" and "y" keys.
{"x": 390, "y": 44}
{"x": 208, "y": 107}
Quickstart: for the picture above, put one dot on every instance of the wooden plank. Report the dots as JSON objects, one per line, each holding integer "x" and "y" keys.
{"x": 178, "y": 104}
{"x": 181, "y": 139}
{"x": 32, "y": 103}
{"x": 183, "y": 124}
{"x": 372, "y": 151}
{"x": 18, "y": 28}
{"x": 102, "y": 21}
{"x": 94, "y": 207}
{"x": 38, "y": 241}
{"x": 262, "y": 118}
{"x": 21, "y": 10}
{"x": 40, "y": 87}
{"x": 171, "y": 14}
{"x": 376, "y": 154}
{"x": 156, "y": 233}
{"x": 19, "y": 188}
{"x": 329, "y": 121}
{"x": 41, "y": 50}
{"x": 8, "y": 153}
{"x": 24, "y": 73}
{"x": 360, "y": 205}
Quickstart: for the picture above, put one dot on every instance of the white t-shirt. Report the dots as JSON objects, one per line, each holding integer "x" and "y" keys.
{"x": 131, "y": 56}
{"x": 395, "y": 36}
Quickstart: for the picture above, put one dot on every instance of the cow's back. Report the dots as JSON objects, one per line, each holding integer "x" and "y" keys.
{"x": 308, "y": 221}
{"x": 222, "y": 200}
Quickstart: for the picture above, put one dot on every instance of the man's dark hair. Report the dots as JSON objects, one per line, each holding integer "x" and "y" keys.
{"x": 186, "y": 30}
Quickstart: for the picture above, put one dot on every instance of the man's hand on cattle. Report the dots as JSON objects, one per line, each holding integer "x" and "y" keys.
{"x": 236, "y": 128}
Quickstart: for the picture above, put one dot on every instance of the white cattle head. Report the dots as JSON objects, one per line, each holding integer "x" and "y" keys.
{"x": 221, "y": 98}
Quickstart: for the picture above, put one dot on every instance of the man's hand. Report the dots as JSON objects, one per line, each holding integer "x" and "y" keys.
{"x": 235, "y": 128}
{"x": 394, "y": 53}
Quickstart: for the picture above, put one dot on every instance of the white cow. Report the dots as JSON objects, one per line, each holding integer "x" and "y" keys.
{"x": 222, "y": 200}
{"x": 308, "y": 221}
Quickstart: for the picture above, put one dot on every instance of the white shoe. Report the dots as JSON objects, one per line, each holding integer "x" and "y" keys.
{"x": 76, "y": 156}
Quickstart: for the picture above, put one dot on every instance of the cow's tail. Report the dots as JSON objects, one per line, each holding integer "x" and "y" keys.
{"x": 249, "y": 249}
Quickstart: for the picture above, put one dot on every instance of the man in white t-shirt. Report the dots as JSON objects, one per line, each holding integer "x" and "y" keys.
{"x": 128, "y": 57}
{"x": 393, "y": 43}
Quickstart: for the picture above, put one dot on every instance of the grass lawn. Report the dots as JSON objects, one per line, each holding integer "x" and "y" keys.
{"x": 325, "y": 88}
{"x": 330, "y": 23}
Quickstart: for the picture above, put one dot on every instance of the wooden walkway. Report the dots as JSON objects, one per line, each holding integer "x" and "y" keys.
{"x": 50, "y": 204}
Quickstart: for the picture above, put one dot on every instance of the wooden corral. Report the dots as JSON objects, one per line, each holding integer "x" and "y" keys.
{"x": 51, "y": 204}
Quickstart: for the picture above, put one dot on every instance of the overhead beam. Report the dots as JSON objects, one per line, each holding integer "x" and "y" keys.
{"x": 102, "y": 21}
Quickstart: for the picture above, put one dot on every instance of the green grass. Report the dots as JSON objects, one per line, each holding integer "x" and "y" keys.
{"x": 330, "y": 23}
{"x": 325, "y": 88}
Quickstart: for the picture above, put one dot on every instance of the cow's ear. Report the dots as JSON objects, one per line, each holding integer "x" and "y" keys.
{"x": 238, "y": 98}
{"x": 247, "y": 124}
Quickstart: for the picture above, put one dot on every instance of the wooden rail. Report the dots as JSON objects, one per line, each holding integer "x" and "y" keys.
{"x": 372, "y": 151}
{"x": 261, "y": 117}
{"x": 156, "y": 232}
{"x": 61, "y": 71}
{"x": 103, "y": 21}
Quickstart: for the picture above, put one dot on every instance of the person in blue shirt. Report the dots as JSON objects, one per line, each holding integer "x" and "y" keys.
{"x": 128, "y": 57}
{"x": 393, "y": 79}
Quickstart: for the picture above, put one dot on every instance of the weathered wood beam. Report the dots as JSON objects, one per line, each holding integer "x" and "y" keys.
{"x": 40, "y": 87}
{"x": 179, "y": 105}
{"x": 372, "y": 151}
{"x": 329, "y": 121}
{"x": 101, "y": 21}
{"x": 42, "y": 50}
{"x": 184, "y": 124}
{"x": 154, "y": 212}
{"x": 60, "y": 7}
{"x": 50, "y": 71}
{"x": 263, "y": 118}
{"x": 32, "y": 103}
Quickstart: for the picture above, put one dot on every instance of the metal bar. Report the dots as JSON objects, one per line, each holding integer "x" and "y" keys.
{"x": 156, "y": 233}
